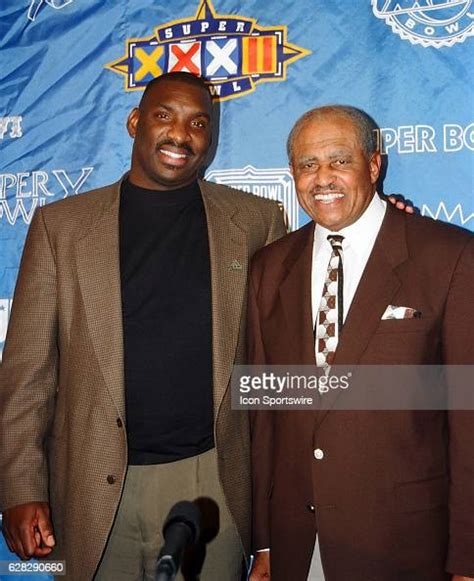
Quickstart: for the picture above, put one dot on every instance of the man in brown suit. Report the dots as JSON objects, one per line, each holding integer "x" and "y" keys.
{"x": 65, "y": 465}
{"x": 389, "y": 495}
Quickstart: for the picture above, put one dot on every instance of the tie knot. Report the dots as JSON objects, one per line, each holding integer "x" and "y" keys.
{"x": 336, "y": 241}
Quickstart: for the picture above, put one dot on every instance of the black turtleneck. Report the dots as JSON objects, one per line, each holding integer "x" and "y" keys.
{"x": 166, "y": 306}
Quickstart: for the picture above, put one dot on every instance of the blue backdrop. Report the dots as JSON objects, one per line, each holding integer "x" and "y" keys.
{"x": 72, "y": 69}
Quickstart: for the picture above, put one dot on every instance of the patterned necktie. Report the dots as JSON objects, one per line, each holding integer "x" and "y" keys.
{"x": 331, "y": 309}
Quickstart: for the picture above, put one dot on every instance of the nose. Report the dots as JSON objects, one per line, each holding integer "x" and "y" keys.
{"x": 178, "y": 132}
{"x": 325, "y": 176}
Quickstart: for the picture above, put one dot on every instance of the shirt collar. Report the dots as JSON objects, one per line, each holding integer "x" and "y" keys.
{"x": 359, "y": 235}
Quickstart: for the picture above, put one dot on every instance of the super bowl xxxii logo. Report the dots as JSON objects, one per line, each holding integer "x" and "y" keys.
{"x": 435, "y": 23}
{"x": 232, "y": 52}
{"x": 273, "y": 184}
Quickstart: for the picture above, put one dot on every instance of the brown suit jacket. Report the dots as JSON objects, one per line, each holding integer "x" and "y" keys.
{"x": 62, "y": 388}
{"x": 393, "y": 497}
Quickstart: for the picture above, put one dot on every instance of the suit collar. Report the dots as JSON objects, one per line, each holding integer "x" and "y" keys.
{"x": 98, "y": 268}
{"x": 295, "y": 296}
{"x": 229, "y": 256}
{"x": 379, "y": 283}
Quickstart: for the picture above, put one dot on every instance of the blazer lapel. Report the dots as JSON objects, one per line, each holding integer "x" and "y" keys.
{"x": 295, "y": 297}
{"x": 98, "y": 268}
{"x": 379, "y": 283}
{"x": 228, "y": 250}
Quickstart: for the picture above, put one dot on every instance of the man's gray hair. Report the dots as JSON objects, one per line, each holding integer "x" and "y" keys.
{"x": 365, "y": 125}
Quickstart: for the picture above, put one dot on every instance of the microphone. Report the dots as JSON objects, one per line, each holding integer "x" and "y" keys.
{"x": 181, "y": 529}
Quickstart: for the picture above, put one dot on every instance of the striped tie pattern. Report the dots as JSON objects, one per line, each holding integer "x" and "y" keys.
{"x": 331, "y": 309}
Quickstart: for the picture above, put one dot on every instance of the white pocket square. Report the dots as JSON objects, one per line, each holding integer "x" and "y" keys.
{"x": 394, "y": 312}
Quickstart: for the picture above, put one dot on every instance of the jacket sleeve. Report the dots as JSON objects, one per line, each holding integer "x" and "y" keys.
{"x": 28, "y": 374}
{"x": 261, "y": 432}
{"x": 458, "y": 349}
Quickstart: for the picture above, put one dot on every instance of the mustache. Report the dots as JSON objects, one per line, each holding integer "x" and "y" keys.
{"x": 329, "y": 189}
{"x": 184, "y": 146}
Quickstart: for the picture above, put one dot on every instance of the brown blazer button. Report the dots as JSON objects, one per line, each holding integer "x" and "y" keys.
{"x": 318, "y": 454}
{"x": 119, "y": 422}
{"x": 310, "y": 507}
{"x": 111, "y": 479}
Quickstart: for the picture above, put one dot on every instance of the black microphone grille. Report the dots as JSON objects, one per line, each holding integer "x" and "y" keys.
{"x": 185, "y": 512}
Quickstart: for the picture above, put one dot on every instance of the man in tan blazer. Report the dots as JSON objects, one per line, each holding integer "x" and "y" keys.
{"x": 389, "y": 494}
{"x": 63, "y": 442}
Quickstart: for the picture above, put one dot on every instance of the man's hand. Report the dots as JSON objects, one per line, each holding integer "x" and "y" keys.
{"x": 401, "y": 204}
{"x": 460, "y": 578}
{"x": 261, "y": 566}
{"x": 28, "y": 530}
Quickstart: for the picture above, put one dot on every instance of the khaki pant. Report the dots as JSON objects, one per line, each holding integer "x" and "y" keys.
{"x": 149, "y": 493}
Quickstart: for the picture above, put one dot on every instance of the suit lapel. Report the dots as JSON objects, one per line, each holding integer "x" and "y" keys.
{"x": 379, "y": 283}
{"x": 228, "y": 250}
{"x": 295, "y": 297}
{"x": 98, "y": 268}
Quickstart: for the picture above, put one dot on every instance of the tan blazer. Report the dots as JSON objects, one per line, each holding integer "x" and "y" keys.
{"x": 62, "y": 388}
{"x": 393, "y": 497}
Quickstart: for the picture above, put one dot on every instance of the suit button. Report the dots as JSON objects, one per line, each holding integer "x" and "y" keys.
{"x": 119, "y": 422}
{"x": 111, "y": 479}
{"x": 310, "y": 507}
{"x": 318, "y": 454}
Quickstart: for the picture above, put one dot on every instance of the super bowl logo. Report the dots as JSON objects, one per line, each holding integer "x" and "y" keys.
{"x": 273, "y": 184}
{"x": 232, "y": 52}
{"x": 37, "y": 5}
{"x": 434, "y": 23}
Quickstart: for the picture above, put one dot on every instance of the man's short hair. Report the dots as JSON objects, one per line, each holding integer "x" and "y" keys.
{"x": 181, "y": 77}
{"x": 365, "y": 125}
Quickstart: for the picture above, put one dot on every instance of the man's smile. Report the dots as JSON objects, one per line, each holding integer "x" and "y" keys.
{"x": 174, "y": 156}
{"x": 327, "y": 198}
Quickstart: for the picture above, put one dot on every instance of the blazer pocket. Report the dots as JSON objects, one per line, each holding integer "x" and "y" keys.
{"x": 405, "y": 325}
{"x": 422, "y": 494}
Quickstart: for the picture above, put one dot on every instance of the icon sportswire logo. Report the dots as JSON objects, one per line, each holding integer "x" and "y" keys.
{"x": 233, "y": 52}
{"x": 430, "y": 23}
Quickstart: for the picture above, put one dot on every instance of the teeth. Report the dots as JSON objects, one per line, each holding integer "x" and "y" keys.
{"x": 327, "y": 197}
{"x": 173, "y": 154}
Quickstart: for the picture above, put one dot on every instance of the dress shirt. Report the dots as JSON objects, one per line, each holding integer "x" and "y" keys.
{"x": 359, "y": 239}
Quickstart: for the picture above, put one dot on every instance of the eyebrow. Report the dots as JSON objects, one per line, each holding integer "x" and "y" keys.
{"x": 331, "y": 156}
{"x": 339, "y": 153}
{"x": 306, "y": 158}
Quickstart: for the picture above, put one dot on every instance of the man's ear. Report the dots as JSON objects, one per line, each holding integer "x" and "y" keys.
{"x": 291, "y": 169}
{"x": 132, "y": 122}
{"x": 375, "y": 163}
